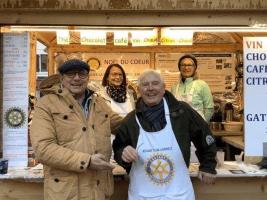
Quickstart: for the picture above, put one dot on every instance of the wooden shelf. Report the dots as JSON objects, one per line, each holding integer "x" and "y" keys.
{"x": 236, "y": 141}
{"x": 227, "y": 133}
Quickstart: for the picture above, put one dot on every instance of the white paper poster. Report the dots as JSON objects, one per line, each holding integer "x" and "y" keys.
{"x": 15, "y": 98}
{"x": 144, "y": 37}
{"x": 217, "y": 69}
{"x": 255, "y": 95}
{"x": 93, "y": 37}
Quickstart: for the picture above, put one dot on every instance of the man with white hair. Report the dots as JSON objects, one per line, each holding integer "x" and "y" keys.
{"x": 153, "y": 144}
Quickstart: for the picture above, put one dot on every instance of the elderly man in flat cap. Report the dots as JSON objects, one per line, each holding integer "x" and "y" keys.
{"x": 70, "y": 134}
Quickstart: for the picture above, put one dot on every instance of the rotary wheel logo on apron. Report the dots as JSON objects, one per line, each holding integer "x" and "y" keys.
{"x": 160, "y": 169}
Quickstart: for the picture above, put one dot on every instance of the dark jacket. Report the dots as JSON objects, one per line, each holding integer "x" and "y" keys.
{"x": 187, "y": 126}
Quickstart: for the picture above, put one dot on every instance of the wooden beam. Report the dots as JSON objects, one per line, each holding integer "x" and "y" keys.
{"x": 53, "y": 42}
{"x": 43, "y": 39}
{"x": 51, "y": 62}
{"x": 32, "y": 69}
{"x": 134, "y": 18}
{"x": 157, "y": 49}
{"x": 237, "y": 38}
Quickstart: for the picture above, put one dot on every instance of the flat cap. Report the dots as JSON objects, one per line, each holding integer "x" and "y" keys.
{"x": 73, "y": 64}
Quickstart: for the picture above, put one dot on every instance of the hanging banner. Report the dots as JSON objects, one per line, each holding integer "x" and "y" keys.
{"x": 15, "y": 98}
{"x": 63, "y": 37}
{"x": 176, "y": 37}
{"x": 255, "y": 95}
{"x": 93, "y": 37}
{"x": 144, "y": 37}
{"x": 120, "y": 38}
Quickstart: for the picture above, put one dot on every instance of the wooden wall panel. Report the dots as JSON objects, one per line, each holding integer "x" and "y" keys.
{"x": 246, "y": 188}
{"x": 16, "y": 190}
{"x": 115, "y": 5}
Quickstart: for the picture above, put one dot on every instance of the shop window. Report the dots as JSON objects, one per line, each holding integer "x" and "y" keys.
{"x": 41, "y": 61}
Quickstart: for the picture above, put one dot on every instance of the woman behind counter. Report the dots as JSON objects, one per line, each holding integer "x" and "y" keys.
{"x": 192, "y": 90}
{"x": 195, "y": 92}
{"x": 115, "y": 90}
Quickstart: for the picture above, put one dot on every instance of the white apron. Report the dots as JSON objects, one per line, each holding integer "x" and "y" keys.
{"x": 160, "y": 173}
{"x": 121, "y": 108}
{"x": 188, "y": 98}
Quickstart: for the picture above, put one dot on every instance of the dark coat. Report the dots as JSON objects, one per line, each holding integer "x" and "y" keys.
{"x": 187, "y": 126}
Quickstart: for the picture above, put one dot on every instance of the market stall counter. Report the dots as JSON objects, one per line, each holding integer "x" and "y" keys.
{"x": 233, "y": 141}
{"x": 234, "y": 181}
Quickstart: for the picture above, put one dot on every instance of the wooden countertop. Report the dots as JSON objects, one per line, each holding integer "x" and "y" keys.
{"x": 236, "y": 141}
{"x": 35, "y": 174}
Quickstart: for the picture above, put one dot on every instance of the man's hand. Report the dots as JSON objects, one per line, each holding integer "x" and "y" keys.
{"x": 129, "y": 154}
{"x": 98, "y": 163}
{"x": 206, "y": 178}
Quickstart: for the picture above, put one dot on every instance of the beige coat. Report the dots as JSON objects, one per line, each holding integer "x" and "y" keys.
{"x": 63, "y": 140}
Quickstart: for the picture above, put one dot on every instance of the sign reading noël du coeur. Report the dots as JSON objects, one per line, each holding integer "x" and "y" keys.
{"x": 255, "y": 95}
{"x": 133, "y": 63}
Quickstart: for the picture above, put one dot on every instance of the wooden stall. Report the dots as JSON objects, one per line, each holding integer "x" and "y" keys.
{"x": 28, "y": 183}
{"x": 235, "y": 181}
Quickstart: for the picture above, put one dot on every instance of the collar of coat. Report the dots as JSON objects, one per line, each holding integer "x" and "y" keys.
{"x": 173, "y": 103}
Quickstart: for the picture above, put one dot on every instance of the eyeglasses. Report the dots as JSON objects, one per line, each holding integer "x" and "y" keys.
{"x": 116, "y": 74}
{"x": 189, "y": 65}
{"x": 81, "y": 74}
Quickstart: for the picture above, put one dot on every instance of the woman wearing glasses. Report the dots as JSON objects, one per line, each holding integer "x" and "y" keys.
{"x": 115, "y": 90}
{"x": 192, "y": 90}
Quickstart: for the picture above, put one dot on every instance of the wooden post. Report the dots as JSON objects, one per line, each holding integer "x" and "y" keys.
{"x": 51, "y": 61}
{"x": 32, "y": 68}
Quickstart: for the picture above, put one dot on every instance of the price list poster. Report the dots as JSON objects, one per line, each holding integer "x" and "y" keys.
{"x": 15, "y": 99}
{"x": 217, "y": 69}
{"x": 255, "y": 95}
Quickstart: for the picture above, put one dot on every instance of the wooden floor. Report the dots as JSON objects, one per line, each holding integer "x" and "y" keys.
{"x": 249, "y": 188}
